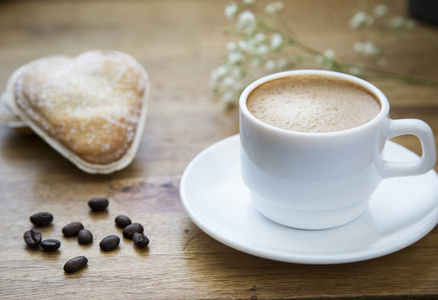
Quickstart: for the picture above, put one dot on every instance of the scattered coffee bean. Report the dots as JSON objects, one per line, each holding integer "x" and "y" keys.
{"x": 98, "y": 204}
{"x": 75, "y": 264}
{"x": 140, "y": 240}
{"x": 32, "y": 238}
{"x": 41, "y": 219}
{"x": 50, "y": 245}
{"x": 109, "y": 243}
{"x": 85, "y": 237}
{"x": 129, "y": 230}
{"x": 122, "y": 221}
{"x": 72, "y": 229}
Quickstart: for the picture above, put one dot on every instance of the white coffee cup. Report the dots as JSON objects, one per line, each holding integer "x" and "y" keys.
{"x": 323, "y": 180}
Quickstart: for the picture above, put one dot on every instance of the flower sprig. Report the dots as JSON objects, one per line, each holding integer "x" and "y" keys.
{"x": 266, "y": 44}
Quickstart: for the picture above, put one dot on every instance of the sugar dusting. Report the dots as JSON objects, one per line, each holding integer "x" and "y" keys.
{"x": 312, "y": 104}
{"x": 91, "y": 103}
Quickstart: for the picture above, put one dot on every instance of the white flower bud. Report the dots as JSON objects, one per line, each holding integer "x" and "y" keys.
{"x": 237, "y": 72}
{"x": 238, "y": 86}
{"x": 276, "y": 41}
{"x": 320, "y": 59}
{"x": 358, "y": 20}
{"x": 262, "y": 50}
{"x": 369, "y": 49}
{"x": 243, "y": 46}
{"x": 259, "y": 38}
{"x": 246, "y": 20}
{"x": 329, "y": 53}
{"x": 274, "y": 7}
{"x": 228, "y": 81}
{"x": 235, "y": 58}
{"x": 231, "y": 10}
{"x": 396, "y": 22}
{"x": 220, "y": 72}
{"x": 248, "y": 2}
{"x": 231, "y": 47}
{"x": 380, "y": 10}
{"x": 229, "y": 98}
{"x": 356, "y": 70}
{"x": 271, "y": 65}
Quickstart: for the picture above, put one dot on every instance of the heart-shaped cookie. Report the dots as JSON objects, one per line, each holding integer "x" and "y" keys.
{"x": 90, "y": 108}
{"x": 7, "y": 116}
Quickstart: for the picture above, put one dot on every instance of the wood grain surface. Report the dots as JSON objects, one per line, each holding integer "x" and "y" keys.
{"x": 179, "y": 43}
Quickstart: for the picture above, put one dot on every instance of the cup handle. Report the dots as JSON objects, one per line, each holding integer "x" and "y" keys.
{"x": 420, "y": 166}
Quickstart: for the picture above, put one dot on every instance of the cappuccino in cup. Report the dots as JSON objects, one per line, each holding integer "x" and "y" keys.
{"x": 312, "y": 103}
{"x": 312, "y": 146}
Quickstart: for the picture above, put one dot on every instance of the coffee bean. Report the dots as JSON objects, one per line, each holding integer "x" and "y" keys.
{"x": 72, "y": 229}
{"x": 32, "y": 238}
{"x": 41, "y": 219}
{"x": 109, "y": 243}
{"x": 75, "y": 264}
{"x": 122, "y": 221}
{"x": 85, "y": 237}
{"x": 98, "y": 204}
{"x": 129, "y": 230}
{"x": 50, "y": 245}
{"x": 140, "y": 240}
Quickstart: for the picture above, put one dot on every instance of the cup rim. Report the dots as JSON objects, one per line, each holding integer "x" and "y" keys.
{"x": 384, "y": 103}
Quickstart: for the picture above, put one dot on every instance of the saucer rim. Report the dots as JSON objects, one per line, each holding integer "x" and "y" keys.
{"x": 417, "y": 230}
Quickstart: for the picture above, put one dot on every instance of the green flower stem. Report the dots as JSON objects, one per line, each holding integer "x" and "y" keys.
{"x": 339, "y": 66}
{"x": 396, "y": 76}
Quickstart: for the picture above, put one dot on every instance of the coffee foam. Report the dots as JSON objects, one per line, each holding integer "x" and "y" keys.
{"x": 312, "y": 103}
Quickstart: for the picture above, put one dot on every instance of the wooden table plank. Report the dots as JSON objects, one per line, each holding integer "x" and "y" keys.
{"x": 179, "y": 43}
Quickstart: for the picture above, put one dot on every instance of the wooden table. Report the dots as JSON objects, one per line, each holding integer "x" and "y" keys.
{"x": 179, "y": 43}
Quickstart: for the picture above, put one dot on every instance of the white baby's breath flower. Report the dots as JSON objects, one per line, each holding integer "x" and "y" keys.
{"x": 242, "y": 45}
{"x": 231, "y": 10}
{"x": 231, "y": 47}
{"x": 361, "y": 19}
{"x": 320, "y": 59}
{"x": 220, "y": 72}
{"x": 263, "y": 50}
{"x": 274, "y": 7}
{"x": 228, "y": 81}
{"x": 271, "y": 65}
{"x": 356, "y": 70}
{"x": 358, "y": 20}
{"x": 246, "y": 20}
{"x": 229, "y": 98}
{"x": 259, "y": 38}
{"x": 380, "y": 10}
{"x": 366, "y": 48}
{"x": 329, "y": 53}
{"x": 396, "y": 22}
{"x": 401, "y": 23}
{"x": 237, "y": 72}
{"x": 276, "y": 41}
{"x": 248, "y": 2}
{"x": 238, "y": 86}
{"x": 369, "y": 49}
{"x": 256, "y": 62}
{"x": 235, "y": 57}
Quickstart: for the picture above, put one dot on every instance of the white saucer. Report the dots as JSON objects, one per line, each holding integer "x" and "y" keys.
{"x": 401, "y": 211}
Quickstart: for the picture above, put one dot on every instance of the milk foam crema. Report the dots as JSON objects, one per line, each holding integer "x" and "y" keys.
{"x": 312, "y": 103}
